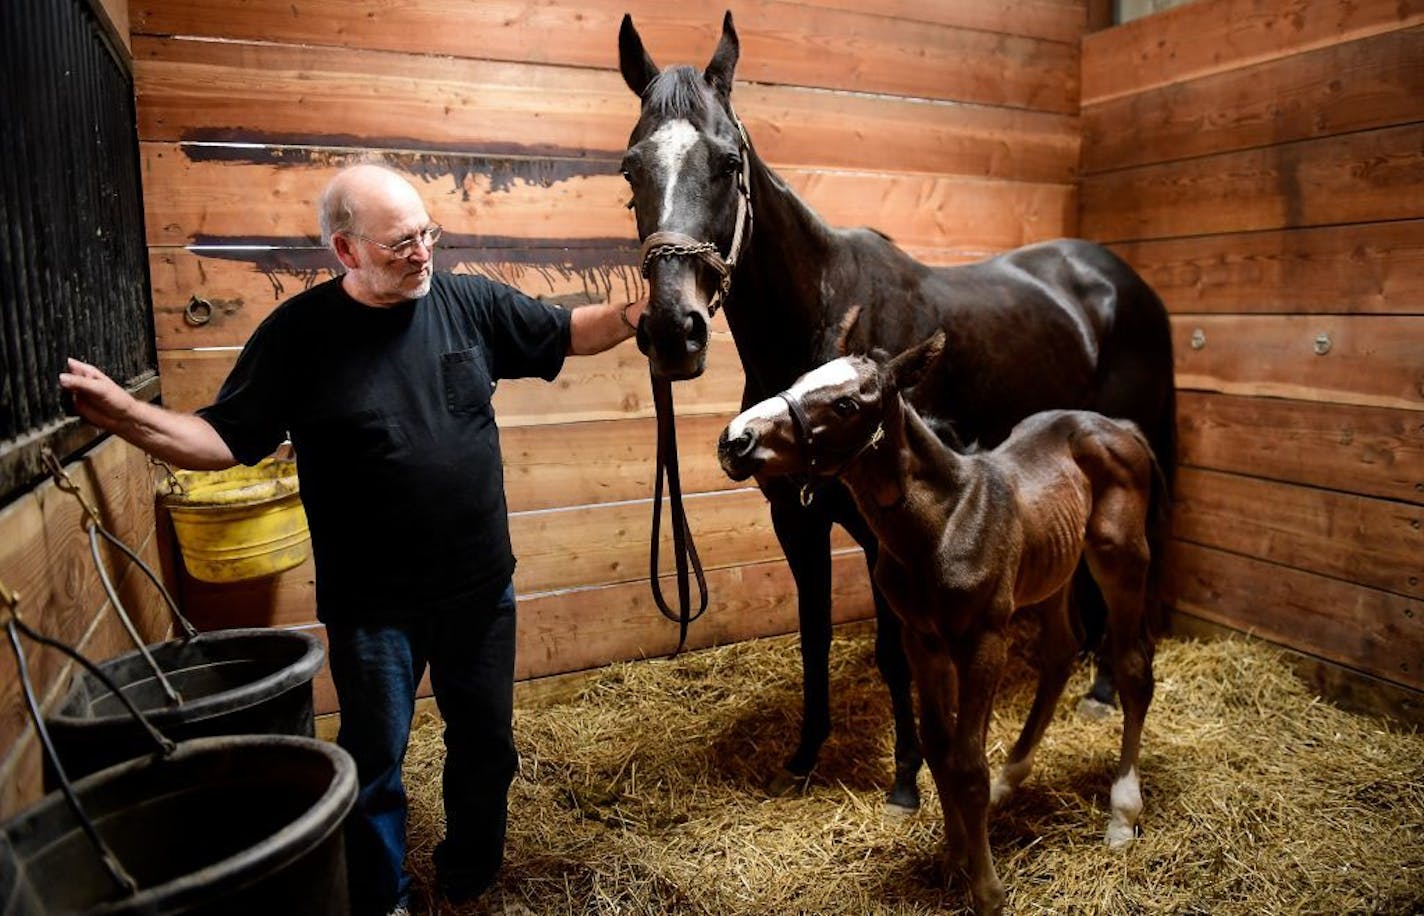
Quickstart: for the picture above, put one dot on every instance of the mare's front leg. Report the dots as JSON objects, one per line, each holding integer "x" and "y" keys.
{"x": 904, "y": 794}
{"x": 805, "y": 538}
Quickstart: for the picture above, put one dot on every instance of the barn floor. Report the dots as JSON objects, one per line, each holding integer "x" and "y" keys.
{"x": 645, "y": 795}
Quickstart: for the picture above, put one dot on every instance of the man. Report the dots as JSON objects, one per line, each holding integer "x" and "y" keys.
{"x": 382, "y": 377}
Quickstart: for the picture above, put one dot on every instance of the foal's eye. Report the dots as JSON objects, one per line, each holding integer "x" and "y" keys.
{"x": 845, "y": 406}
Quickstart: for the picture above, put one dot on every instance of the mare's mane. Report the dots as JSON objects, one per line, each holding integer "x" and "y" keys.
{"x": 677, "y": 92}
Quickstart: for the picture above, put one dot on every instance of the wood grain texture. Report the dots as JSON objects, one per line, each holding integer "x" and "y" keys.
{"x": 1363, "y": 177}
{"x": 1372, "y": 542}
{"x": 213, "y": 202}
{"x": 1207, "y": 36}
{"x": 1360, "y": 85}
{"x": 1371, "y": 360}
{"x": 1357, "y": 269}
{"x": 576, "y": 464}
{"x": 781, "y": 43}
{"x": 1372, "y": 451}
{"x": 1373, "y": 631}
{"x": 1055, "y": 20}
{"x": 272, "y": 94}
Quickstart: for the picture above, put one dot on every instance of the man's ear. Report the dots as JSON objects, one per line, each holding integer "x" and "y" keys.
{"x": 909, "y": 368}
{"x": 345, "y": 253}
{"x": 723, "y": 66}
{"x": 637, "y": 67}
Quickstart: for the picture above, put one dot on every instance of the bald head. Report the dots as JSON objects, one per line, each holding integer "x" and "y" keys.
{"x": 363, "y": 195}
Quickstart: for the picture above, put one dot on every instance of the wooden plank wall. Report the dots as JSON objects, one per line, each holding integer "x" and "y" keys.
{"x": 45, "y": 557}
{"x": 1262, "y": 163}
{"x": 953, "y": 126}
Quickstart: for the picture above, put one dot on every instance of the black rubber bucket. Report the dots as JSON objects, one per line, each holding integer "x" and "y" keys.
{"x": 233, "y": 682}
{"x": 222, "y": 827}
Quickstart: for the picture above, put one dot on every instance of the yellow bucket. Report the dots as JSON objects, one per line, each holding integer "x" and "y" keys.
{"x": 241, "y": 523}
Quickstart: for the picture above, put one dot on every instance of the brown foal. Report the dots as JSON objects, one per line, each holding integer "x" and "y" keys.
{"x": 965, "y": 540}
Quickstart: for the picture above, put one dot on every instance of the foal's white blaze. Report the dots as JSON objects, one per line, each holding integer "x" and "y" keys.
{"x": 671, "y": 143}
{"x": 1126, "y": 806}
{"x": 832, "y": 375}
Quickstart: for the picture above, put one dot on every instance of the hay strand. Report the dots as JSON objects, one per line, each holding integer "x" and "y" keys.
{"x": 647, "y": 795}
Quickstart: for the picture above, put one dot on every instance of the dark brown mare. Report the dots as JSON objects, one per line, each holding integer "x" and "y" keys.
{"x": 964, "y": 540}
{"x": 1058, "y": 324}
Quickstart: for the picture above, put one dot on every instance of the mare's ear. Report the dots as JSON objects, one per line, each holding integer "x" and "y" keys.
{"x": 638, "y": 68}
{"x": 909, "y": 368}
{"x": 848, "y": 324}
{"x": 720, "y": 70}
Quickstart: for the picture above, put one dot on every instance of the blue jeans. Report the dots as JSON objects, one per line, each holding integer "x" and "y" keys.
{"x": 376, "y": 669}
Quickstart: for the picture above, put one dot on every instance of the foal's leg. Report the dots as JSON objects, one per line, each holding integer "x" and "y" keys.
{"x": 980, "y": 664}
{"x": 934, "y": 678}
{"x": 1118, "y": 555}
{"x": 1057, "y": 647}
{"x": 805, "y": 538}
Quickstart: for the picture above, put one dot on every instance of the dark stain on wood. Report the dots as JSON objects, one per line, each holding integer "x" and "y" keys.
{"x": 541, "y": 166}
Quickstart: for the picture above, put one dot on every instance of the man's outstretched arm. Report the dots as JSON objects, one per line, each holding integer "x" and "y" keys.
{"x": 185, "y": 440}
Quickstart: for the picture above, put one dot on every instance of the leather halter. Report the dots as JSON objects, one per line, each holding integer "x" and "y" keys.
{"x": 801, "y": 423}
{"x": 677, "y": 245}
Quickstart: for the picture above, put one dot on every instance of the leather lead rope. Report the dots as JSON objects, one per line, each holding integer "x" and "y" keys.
{"x": 684, "y": 551}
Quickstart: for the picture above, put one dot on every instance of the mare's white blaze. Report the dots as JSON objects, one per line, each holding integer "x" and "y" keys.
{"x": 1126, "y": 806}
{"x": 671, "y": 143}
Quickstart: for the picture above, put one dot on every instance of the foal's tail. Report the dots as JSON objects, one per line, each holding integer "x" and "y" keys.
{"x": 1159, "y": 529}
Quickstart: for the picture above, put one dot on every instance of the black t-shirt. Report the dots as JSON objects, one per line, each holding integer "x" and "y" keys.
{"x": 397, "y": 451}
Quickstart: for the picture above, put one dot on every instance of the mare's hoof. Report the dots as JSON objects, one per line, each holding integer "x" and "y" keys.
{"x": 1094, "y": 709}
{"x": 786, "y": 783}
{"x": 902, "y": 801}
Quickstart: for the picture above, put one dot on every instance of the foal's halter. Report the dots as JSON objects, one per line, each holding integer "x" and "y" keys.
{"x": 805, "y": 438}
{"x": 677, "y": 245}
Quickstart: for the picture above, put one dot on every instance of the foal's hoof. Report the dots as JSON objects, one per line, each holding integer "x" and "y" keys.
{"x": 786, "y": 783}
{"x": 1094, "y": 709}
{"x": 1120, "y": 836}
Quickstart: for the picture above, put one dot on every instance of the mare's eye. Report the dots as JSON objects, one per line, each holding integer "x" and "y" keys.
{"x": 844, "y": 406}
{"x": 731, "y": 164}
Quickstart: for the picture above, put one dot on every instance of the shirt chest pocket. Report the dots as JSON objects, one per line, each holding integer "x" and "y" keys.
{"x": 468, "y": 386}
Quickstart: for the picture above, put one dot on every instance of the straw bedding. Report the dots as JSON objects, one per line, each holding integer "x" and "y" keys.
{"x": 647, "y": 795}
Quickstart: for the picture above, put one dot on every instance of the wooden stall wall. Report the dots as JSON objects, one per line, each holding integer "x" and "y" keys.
{"x": 952, "y": 126}
{"x": 1262, "y": 163}
{"x": 45, "y": 558}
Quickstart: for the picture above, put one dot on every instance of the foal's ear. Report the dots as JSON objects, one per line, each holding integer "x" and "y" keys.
{"x": 724, "y": 60}
{"x": 638, "y": 68}
{"x": 848, "y": 323}
{"x": 909, "y": 368}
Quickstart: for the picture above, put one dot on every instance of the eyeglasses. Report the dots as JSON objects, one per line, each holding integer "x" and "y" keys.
{"x": 406, "y": 246}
